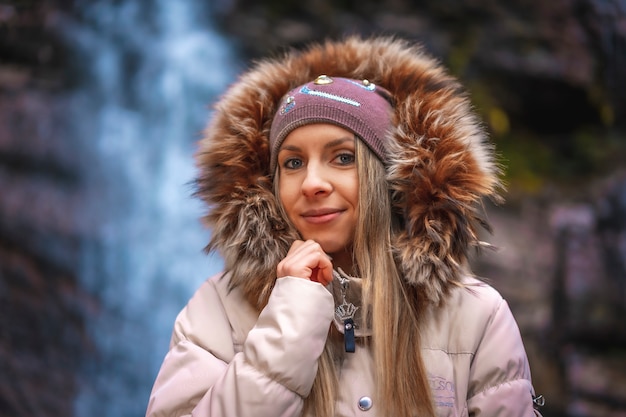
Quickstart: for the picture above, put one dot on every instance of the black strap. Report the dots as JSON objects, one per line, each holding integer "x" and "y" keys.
{"x": 348, "y": 335}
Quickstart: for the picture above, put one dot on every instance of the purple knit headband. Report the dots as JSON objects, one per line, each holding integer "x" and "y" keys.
{"x": 358, "y": 106}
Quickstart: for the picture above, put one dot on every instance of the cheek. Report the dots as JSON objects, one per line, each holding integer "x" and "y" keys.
{"x": 351, "y": 190}
{"x": 286, "y": 195}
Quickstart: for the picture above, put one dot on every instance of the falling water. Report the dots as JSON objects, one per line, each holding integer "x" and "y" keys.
{"x": 150, "y": 71}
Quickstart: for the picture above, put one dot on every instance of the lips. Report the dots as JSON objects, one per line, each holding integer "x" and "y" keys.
{"x": 321, "y": 215}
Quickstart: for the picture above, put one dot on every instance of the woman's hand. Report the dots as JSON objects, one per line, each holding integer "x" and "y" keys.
{"x": 306, "y": 259}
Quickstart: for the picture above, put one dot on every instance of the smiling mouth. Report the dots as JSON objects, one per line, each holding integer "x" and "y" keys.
{"x": 321, "y": 216}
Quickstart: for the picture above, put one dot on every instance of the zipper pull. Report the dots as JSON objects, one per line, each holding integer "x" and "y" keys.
{"x": 348, "y": 335}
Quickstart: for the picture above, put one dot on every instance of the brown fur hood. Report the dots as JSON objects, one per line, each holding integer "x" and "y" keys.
{"x": 440, "y": 168}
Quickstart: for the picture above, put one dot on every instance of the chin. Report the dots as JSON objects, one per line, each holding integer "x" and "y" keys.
{"x": 330, "y": 240}
{"x": 331, "y": 247}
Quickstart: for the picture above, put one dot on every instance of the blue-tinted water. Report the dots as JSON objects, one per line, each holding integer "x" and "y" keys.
{"x": 149, "y": 71}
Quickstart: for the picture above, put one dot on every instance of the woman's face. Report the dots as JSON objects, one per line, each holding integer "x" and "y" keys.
{"x": 318, "y": 185}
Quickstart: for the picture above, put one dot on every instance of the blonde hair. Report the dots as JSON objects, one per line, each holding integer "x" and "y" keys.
{"x": 390, "y": 305}
{"x": 401, "y": 377}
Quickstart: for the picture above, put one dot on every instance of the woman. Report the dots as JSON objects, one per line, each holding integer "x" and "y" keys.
{"x": 343, "y": 185}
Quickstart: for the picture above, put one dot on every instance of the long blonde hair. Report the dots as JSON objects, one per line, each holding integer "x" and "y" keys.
{"x": 390, "y": 305}
{"x": 401, "y": 377}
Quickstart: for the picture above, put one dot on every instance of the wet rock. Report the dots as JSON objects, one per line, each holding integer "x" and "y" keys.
{"x": 42, "y": 306}
{"x": 561, "y": 266}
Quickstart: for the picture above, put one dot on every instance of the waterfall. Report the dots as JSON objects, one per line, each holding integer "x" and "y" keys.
{"x": 149, "y": 71}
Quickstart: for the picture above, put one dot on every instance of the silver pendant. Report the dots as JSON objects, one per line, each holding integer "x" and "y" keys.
{"x": 345, "y": 310}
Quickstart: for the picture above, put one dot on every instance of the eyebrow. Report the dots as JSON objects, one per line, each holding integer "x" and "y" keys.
{"x": 331, "y": 144}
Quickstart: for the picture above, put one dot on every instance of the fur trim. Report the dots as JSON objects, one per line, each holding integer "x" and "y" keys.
{"x": 440, "y": 167}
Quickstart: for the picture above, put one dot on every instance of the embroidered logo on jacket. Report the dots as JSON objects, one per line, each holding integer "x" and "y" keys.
{"x": 443, "y": 391}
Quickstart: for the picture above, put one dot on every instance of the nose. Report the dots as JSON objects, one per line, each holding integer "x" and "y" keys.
{"x": 316, "y": 181}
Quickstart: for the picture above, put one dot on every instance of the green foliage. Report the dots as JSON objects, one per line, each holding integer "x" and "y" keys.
{"x": 533, "y": 162}
{"x": 526, "y": 161}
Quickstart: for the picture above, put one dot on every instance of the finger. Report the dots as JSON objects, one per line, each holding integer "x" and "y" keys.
{"x": 303, "y": 260}
{"x": 283, "y": 265}
{"x": 323, "y": 272}
{"x": 295, "y": 246}
{"x": 325, "y": 275}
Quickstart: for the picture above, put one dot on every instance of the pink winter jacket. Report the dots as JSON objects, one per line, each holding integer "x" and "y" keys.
{"x": 225, "y": 360}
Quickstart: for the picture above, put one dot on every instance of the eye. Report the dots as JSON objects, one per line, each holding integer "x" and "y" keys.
{"x": 292, "y": 163}
{"x": 345, "y": 158}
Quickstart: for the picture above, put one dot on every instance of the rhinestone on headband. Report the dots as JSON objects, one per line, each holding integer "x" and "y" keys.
{"x": 323, "y": 80}
{"x": 290, "y": 103}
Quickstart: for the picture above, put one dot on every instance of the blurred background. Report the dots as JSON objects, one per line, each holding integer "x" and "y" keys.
{"x": 102, "y": 101}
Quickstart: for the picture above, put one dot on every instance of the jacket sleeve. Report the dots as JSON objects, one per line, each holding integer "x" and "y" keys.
{"x": 203, "y": 376}
{"x": 500, "y": 382}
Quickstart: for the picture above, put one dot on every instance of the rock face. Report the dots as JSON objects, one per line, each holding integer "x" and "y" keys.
{"x": 562, "y": 267}
{"x": 42, "y": 306}
{"x": 550, "y": 80}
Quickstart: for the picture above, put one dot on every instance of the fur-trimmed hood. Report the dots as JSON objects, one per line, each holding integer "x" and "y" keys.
{"x": 440, "y": 163}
